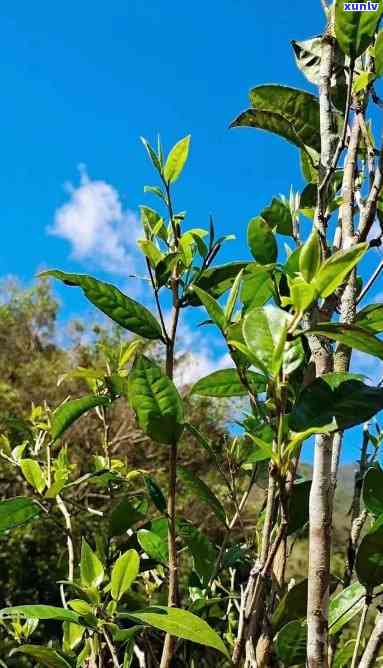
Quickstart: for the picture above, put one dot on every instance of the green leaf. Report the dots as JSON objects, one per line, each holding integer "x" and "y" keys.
{"x": 352, "y": 336}
{"x": 200, "y": 438}
{"x": 263, "y": 451}
{"x": 152, "y": 222}
{"x": 343, "y": 656}
{"x": 291, "y": 606}
{"x": 226, "y": 383}
{"x": 124, "y": 573}
{"x": 155, "y": 494}
{"x": 16, "y": 512}
{"x": 335, "y": 401}
{"x": 215, "y": 280}
{"x": 362, "y": 81}
{"x": 41, "y": 612}
{"x": 214, "y": 310}
{"x": 66, "y": 414}
{"x": 156, "y": 402}
{"x": 309, "y": 198}
{"x": 371, "y": 318}
{"x": 299, "y": 506}
{"x": 110, "y": 300}
{"x": 287, "y": 112}
{"x": 155, "y": 547}
{"x": 72, "y": 636}
{"x": 262, "y": 331}
{"x": 335, "y": 269}
{"x": 309, "y": 167}
{"x": 203, "y": 551}
{"x": 278, "y": 216}
{"x": 91, "y": 568}
{"x": 355, "y": 30}
{"x": 369, "y": 557}
{"x": 310, "y": 257}
{"x": 257, "y": 286}
{"x": 200, "y": 489}
{"x": 176, "y": 160}
{"x": 379, "y": 54}
{"x": 262, "y": 242}
{"x": 344, "y": 606}
{"x": 151, "y": 251}
{"x": 290, "y": 644}
{"x": 373, "y": 491}
{"x": 179, "y": 623}
{"x": 81, "y": 607}
{"x": 44, "y": 655}
{"x": 302, "y": 294}
{"x": 152, "y": 155}
{"x": 33, "y": 474}
{"x": 233, "y": 296}
{"x": 123, "y": 517}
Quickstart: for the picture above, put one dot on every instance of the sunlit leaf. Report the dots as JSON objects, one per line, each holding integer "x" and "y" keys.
{"x": 16, "y": 512}
{"x": 179, "y": 623}
{"x": 227, "y": 383}
{"x": 110, "y": 300}
{"x": 124, "y": 573}
{"x": 355, "y": 29}
{"x": 156, "y": 402}
{"x": 66, "y": 414}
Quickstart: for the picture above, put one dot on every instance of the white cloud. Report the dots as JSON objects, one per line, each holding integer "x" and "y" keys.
{"x": 97, "y": 227}
{"x": 199, "y": 353}
{"x": 196, "y": 365}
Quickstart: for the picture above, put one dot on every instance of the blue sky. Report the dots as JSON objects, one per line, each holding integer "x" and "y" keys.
{"x": 82, "y": 81}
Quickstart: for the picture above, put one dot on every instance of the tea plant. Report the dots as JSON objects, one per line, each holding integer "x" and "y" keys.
{"x": 290, "y": 319}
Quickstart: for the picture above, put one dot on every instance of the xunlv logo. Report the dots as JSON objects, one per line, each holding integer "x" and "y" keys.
{"x": 361, "y": 6}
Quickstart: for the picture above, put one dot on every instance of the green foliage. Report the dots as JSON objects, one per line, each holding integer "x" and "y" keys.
{"x": 200, "y": 489}
{"x": 182, "y": 624}
{"x": 156, "y": 402}
{"x": 373, "y": 491}
{"x": 335, "y": 401}
{"x": 369, "y": 557}
{"x": 91, "y": 568}
{"x": 344, "y": 606}
{"x": 124, "y": 573}
{"x": 176, "y": 160}
{"x": 16, "y": 512}
{"x": 261, "y": 241}
{"x": 44, "y": 655}
{"x": 121, "y": 309}
{"x": 227, "y": 383}
{"x": 70, "y": 411}
{"x": 355, "y": 30}
{"x": 290, "y": 645}
{"x": 288, "y": 112}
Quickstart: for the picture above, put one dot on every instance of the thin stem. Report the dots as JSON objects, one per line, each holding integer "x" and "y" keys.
{"x": 49, "y": 466}
{"x": 360, "y": 631}
{"x": 111, "y": 648}
{"x": 158, "y": 303}
{"x": 370, "y": 282}
{"x": 68, "y": 525}
{"x": 374, "y": 644}
{"x": 173, "y": 593}
{"x": 231, "y": 526}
